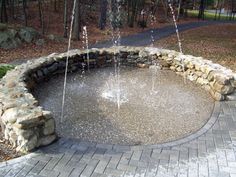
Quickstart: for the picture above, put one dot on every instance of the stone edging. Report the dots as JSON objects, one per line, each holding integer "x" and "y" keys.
{"x": 27, "y": 126}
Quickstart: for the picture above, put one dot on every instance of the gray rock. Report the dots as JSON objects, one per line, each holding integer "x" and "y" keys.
{"x": 40, "y": 74}
{"x": 26, "y": 145}
{"x": 47, "y": 140}
{"x": 8, "y": 39}
{"x": 24, "y": 133}
{"x": 12, "y": 33}
{"x": 10, "y": 115}
{"x": 53, "y": 67}
{"x": 55, "y": 38}
{"x": 40, "y": 42}
{"x": 51, "y": 37}
{"x": 28, "y": 34}
{"x": 49, "y": 127}
{"x": 4, "y": 36}
{"x": 13, "y": 138}
{"x": 3, "y": 26}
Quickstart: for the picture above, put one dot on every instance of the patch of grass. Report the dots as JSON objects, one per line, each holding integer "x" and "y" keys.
{"x": 4, "y": 68}
{"x": 208, "y": 15}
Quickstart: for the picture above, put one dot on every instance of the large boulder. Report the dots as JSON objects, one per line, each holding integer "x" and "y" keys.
{"x": 3, "y": 26}
{"x": 9, "y": 39}
{"x": 12, "y": 37}
{"x": 28, "y": 34}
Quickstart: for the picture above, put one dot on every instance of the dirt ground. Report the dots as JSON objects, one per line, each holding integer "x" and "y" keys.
{"x": 216, "y": 43}
{"x": 6, "y": 150}
{"x": 27, "y": 51}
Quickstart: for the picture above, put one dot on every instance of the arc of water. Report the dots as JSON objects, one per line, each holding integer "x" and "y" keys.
{"x": 153, "y": 20}
{"x": 178, "y": 36}
{"x": 85, "y": 36}
{"x": 67, "y": 61}
{"x": 176, "y": 27}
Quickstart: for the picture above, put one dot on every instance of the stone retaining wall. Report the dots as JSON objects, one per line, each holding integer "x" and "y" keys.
{"x": 27, "y": 126}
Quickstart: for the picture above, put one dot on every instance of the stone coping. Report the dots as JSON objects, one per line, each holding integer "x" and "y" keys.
{"x": 27, "y": 126}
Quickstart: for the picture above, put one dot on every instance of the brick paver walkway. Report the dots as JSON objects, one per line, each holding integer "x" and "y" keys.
{"x": 209, "y": 152}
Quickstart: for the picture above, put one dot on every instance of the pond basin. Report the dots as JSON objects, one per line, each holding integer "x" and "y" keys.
{"x": 140, "y": 106}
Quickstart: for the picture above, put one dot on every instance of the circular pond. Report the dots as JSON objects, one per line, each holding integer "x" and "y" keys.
{"x": 140, "y": 106}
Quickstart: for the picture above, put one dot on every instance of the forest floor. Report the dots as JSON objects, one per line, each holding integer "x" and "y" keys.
{"x": 29, "y": 51}
{"x": 216, "y": 43}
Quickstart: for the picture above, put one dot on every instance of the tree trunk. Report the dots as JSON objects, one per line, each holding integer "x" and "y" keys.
{"x": 41, "y": 17}
{"x": 219, "y": 15}
{"x": 55, "y": 5}
{"x": 12, "y": 4}
{"x": 128, "y": 9}
{"x": 165, "y": 7}
{"x": 65, "y": 19}
{"x": 103, "y": 14}
{"x": 4, "y": 17}
{"x": 179, "y": 8}
{"x": 133, "y": 13}
{"x": 232, "y": 10}
{"x": 216, "y": 9}
{"x": 77, "y": 26}
{"x": 201, "y": 10}
{"x": 24, "y": 11}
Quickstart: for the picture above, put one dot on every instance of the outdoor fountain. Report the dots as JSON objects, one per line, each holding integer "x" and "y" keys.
{"x": 130, "y": 96}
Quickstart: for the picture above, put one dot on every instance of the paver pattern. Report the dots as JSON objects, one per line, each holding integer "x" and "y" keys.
{"x": 206, "y": 153}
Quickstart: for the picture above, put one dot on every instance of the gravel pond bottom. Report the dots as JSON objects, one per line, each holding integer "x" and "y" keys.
{"x": 138, "y": 106}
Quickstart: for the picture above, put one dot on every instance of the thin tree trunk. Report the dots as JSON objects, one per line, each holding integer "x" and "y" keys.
{"x": 219, "y": 15}
{"x": 12, "y": 4}
{"x": 2, "y": 11}
{"x": 133, "y": 15}
{"x": 179, "y": 8}
{"x": 65, "y": 19}
{"x": 55, "y": 5}
{"x": 232, "y": 10}
{"x": 201, "y": 10}
{"x": 24, "y": 11}
{"x": 165, "y": 7}
{"x": 103, "y": 14}
{"x": 76, "y": 30}
{"x": 216, "y": 9}
{"x": 128, "y": 11}
{"x": 41, "y": 17}
{"x": 4, "y": 17}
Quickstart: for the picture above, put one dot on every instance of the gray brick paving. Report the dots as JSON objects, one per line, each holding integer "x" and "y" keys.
{"x": 210, "y": 152}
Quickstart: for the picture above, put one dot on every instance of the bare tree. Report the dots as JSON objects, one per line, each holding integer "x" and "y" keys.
{"x": 103, "y": 14}
{"x": 217, "y": 5}
{"x": 77, "y": 21}
{"x": 65, "y": 19}
{"x": 179, "y": 9}
{"x": 201, "y": 10}
{"x": 25, "y": 13}
{"x": 41, "y": 17}
{"x": 4, "y": 17}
